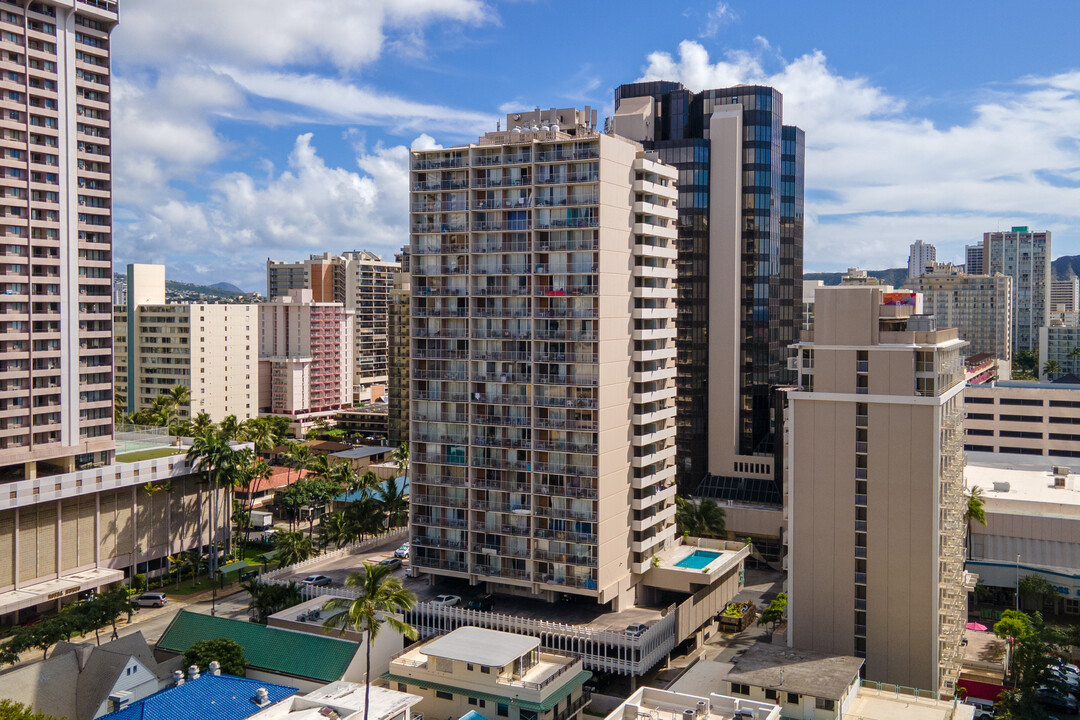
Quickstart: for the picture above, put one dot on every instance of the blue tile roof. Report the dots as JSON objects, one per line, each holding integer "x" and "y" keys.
{"x": 211, "y": 697}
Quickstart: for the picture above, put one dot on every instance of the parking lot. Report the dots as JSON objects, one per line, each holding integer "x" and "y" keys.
{"x": 575, "y": 610}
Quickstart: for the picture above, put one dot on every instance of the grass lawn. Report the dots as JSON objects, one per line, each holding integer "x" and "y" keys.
{"x": 149, "y": 454}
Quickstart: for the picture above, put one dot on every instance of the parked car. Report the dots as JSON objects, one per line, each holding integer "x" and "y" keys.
{"x": 150, "y": 599}
{"x": 636, "y": 630}
{"x": 481, "y": 602}
{"x": 393, "y": 562}
{"x": 1052, "y": 699}
{"x": 317, "y": 581}
{"x": 984, "y": 709}
{"x": 402, "y": 552}
{"x": 448, "y": 600}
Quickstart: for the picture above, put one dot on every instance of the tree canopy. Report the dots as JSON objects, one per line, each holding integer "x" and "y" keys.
{"x": 228, "y": 653}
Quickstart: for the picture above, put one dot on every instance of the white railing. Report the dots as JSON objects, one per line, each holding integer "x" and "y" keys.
{"x": 276, "y": 576}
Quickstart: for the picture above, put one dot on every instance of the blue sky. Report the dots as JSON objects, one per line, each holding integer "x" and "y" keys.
{"x": 256, "y": 128}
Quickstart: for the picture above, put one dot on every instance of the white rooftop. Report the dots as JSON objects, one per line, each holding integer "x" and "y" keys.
{"x": 1027, "y": 481}
{"x": 480, "y": 646}
{"x": 344, "y": 698}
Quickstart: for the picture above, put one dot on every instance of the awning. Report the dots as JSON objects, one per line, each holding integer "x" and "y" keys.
{"x": 232, "y": 567}
{"x": 269, "y": 556}
{"x": 51, "y": 590}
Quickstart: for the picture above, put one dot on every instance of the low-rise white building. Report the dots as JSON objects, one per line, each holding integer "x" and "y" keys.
{"x": 344, "y": 701}
{"x": 1032, "y": 526}
{"x": 654, "y": 704}
{"x": 498, "y": 674}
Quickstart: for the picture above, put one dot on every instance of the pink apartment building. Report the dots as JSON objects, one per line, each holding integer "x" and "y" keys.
{"x": 305, "y": 358}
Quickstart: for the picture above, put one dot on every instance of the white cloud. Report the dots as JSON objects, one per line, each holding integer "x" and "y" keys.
{"x": 879, "y": 175}
{"x": 308, "y": 207}
{"x": 346, "y": 33}
{"x": 425, "y": 142}
{"x": 720, "y": 15}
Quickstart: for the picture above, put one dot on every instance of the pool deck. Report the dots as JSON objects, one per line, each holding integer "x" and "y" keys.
{"x": 668, "y": 572}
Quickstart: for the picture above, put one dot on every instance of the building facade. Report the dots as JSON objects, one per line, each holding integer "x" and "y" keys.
{"x": 210, "y": 349}
{"x": 1059, "y": 344}
{"x": 1024, "y": 418}
{"x": 973, "y": 259}
{"x": 305, "y": 358}
{"x": 361, "y": 281}
{"x": 1025, "y": 257}
{"x": 397, "y": 354}
{"x": 1065, "y": 294}
{"x": 876, "y": 489}
{"x": 542, "y": 418}
{"x": 56, "y": 351}
{"x": 920, "y": 255}
{"x": 739, "y": 268}
{"x": 978, "y": 306}
{"x": 497, "y": 674}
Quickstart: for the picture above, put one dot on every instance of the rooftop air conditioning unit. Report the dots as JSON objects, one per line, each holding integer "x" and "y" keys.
{"x": 1000, "y": 486}
{"x": 1062, "y": 470}
{"x": 1059, "y": 481}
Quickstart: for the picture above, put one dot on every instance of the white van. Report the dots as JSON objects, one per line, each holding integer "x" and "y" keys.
{"x": 984, "y": 709}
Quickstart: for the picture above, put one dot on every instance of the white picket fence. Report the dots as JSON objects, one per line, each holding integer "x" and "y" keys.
{"x": 276, "y": 576}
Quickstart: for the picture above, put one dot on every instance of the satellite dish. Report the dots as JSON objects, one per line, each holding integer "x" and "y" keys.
{"x": 517, "y": 117}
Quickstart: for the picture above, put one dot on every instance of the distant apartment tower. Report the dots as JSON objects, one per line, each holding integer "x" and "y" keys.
{"x": 921, "y": 254}
{"x": 739, "y": 269}
{"x": 1065, "y": 294}
{"x": 809, "y": 287}
{"x": 361, "y": 281}
{"x": 1025, "y": 418}
{"x": 543, "y": 358}
{"x": 973, "y": 259}
{"x": 1025, "y": 257}
{"x": 209, "y": 348}
{"x": 978, "y": 306}
{"x": 876, "y": 565}
{"x": 56, "y": 347}
{"x": 397, "y": 353}
{"x": 305, "y": 358}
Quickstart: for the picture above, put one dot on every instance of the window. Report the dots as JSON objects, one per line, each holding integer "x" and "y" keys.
{"x": 793, "y": 698}
{"x": 824, "y": 704}
{"x": 1071, "y": 606}
{"x": 502, "y": 710}
{"x": 773, "y": 695}
{"x": 468, "y": 666}
{"x": 472, "y": 701}
{"x": 740, "y": 689}
{"x": 444, "y": 695}
{"x": 402, "y": 687}
{"x": 485, "y": 669}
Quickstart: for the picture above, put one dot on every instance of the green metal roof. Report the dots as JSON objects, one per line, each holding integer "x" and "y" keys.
{"x": 567, "y": 687}
{"x": 296, "y": 654}
{"x": 268, "y": 556}
{"x": 232, "y": 567}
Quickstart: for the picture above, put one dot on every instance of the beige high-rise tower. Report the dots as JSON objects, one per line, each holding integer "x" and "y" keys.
{"x": 875, "y": 434}
{"x": 543, "y": 358}
{"x": 56, "y": 202}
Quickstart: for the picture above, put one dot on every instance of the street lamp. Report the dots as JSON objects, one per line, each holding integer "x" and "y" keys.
{"x": 1017, "y": 582}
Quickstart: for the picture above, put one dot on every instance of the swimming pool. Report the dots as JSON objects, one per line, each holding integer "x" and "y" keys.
{"x": 697, "y": 559}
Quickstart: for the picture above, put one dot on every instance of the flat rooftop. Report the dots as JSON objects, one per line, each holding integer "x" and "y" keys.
{"x": 776, "y": 667}
{"x": 872, "y": 704}
{"x": 344, "y": 698}
{"x": 480, "y": 646}
{"x": 1027, "y": 481}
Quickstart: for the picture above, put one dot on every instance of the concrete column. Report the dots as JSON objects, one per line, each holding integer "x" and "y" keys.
{"x": 30, "y": 470}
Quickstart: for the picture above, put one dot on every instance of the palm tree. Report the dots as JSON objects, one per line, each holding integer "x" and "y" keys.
{"x": 201, "y": 425}
{"x": 215, "y": 457}
{"x": 704, "y": 519}
{"x": 974, "y": 511}
{"x": 380, "y": 596}
{"x": 393, "y": 502}
{"x": 179, "y": 397}
{"x": 335, "y": 529}
{"x": 258, "y": 432}
{"x": 401, "y": 457}
{"x": 228, "y": 428}
{"x": 294, "y": 547}
{"x": 119, "y": 409}
{"x": 1074, "y": 355}
{"x": 1051, "y": 367}
{"x": 251, "y": 476}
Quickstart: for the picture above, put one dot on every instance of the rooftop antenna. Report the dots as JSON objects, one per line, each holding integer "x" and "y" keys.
{"x": 498, "y": 125}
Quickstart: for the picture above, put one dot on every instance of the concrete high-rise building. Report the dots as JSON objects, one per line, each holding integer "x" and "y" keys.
{"x": 56, "y": 405}
{"x": 978, "y": 306}
{"x": 1025, "y": 257}
{"x": 921, "y": 254}
{"x": 876, "y": 489}
{"x": 973, "y": 260}
{"x": 543, "y": 353}
{"x": 739, "y": 270}
{"x": 1065, "y": 294}
{"x": 361, "y": 281}
{"x": 209, "y": 348}
{"x": 397, "y": 354}
{"x": 305, "y": 358}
